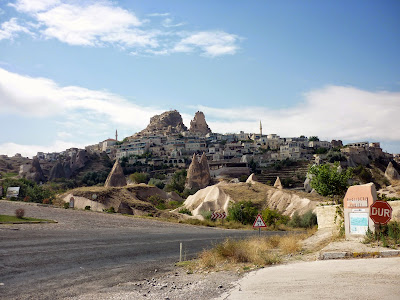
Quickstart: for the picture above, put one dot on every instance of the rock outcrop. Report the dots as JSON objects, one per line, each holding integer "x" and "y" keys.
{"x": 251, "y": 179}
{"x": 391, "y": 173}
{"x": 199, "y": 124}
{"x": 57, "y": 171}
{"x": 215, "y": 198}
{"x": 278, "y": 183}
{"x": 211, "y": 198}
{"x": 198, "y": 175}
{"x": 307, "y": 185}
{"x": 166, "y": 123}
{"x": 35, "y": 172}
{"x": 116, "y": 177}
{"x": 79, "y": 160}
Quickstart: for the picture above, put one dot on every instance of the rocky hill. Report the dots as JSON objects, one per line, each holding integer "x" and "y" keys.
{"x": 168, "y": 122}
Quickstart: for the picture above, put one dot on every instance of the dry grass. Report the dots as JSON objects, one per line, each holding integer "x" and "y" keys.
{"x": 249, "y": 253}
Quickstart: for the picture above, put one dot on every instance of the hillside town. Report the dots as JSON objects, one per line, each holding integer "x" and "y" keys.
{"x": 167, "y": 142}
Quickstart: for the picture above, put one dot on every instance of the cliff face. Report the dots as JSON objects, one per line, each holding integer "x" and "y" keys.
{"x": 199, "y": 124}
{"x": 167, "y": 122}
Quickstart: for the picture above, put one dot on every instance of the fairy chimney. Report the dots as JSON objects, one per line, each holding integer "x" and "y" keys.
{"x": 116, "y": 176}
{"x": 198, "y": 175}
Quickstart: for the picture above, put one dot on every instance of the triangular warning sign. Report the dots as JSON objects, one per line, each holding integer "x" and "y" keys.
{"x": 259, "y": 222}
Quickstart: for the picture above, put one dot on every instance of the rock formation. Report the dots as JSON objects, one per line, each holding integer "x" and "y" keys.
{"x": 251, "y": 179}
{"x": 199, "y": 124}
{"x": 35, "y": 172}
{"x": 278, "y": 183}
{"x": 198, "y": 175}
{"x": 214, "y": 198}
{"x": 391, "y": 173}
{"x": 57, "y": 171}
{"x": 116, "y": 176}
{"x": 167, "y": 122}
{"x": 79, "y": 160}
{"x": 307, "y": 185}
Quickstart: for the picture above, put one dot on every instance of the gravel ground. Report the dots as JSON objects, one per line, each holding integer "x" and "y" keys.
{"x": 176, "y": 284}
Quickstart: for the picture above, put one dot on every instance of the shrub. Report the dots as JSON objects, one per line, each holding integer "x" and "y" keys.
{"x": 19, "y": 213}
{"x": 66, "y": 205}
{"x": 157, "y": 182}
{"x": 307, "y": 220}
{"x": 272, "y": 217}
{"x": 139, "y": 177}
{"x": 46, "y": 201}
{"x": 244, "y": 212}
{"x": 87, "y": 207}
{"x": 185, "y": 211}
{"x": 243, "y": 178}
{"x": 27, "y": 199}
{"x": 109, "y": 210}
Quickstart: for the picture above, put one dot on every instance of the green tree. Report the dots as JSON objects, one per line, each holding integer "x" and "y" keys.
{"x": 177, "y": 182}
{"x": 313, "y": 138}
{"x": 327, "y": 181}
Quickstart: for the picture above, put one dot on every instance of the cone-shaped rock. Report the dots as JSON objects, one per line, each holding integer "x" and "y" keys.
{"x": 35, "y": 173}
{"x": 251, "y": 179}
{"x": 116, "y": 176}
{"x": 57, "y": 171}
{"x": 278, "y": 183}
{"x": 198, "y": 175}
{"x": 391, "y": 173}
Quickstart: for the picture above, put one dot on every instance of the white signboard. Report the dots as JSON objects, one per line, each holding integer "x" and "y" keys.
{"x": 358, "y": 223}
{"x": 13, "y": 192}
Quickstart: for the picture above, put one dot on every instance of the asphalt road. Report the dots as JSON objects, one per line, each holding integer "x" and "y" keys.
{"x": 86, "y": 251}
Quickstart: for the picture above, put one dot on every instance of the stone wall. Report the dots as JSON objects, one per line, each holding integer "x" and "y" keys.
{"x": 326, "y": 216}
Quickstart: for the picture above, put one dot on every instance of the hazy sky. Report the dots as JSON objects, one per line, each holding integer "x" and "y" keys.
{"x": 71, "y": 72}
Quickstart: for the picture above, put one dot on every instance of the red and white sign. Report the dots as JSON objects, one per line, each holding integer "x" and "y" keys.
{"x": 259, "y": 222}
{"x": 380, "y": 212}
{"x": 217, "y": 215}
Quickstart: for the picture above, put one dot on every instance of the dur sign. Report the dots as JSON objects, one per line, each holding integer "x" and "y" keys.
{"x": 380, "y": 212}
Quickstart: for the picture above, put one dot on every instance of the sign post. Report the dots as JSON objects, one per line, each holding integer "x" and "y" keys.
{"x": 258, "y": 223}
{"x": 218, "y": 215}
{"x": 380, "y": 213}
{"x": 356, "y": 204}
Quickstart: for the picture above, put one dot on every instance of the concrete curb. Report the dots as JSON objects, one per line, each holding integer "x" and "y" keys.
{"x": 351, "y": 254}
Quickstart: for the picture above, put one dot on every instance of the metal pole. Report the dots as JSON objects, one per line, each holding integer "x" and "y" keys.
{"x": 259, "y": 231}
{"x": 180, "y": 252}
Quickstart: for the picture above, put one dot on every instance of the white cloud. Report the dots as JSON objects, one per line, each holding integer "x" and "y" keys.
{"x": 158, "y": 15}
{"x": 93, "y": 25}
{"x": 103, "y": 23}
{"x": 169, "y": 22}
{"x": 42, "y": 97}
{"x": 11, "y": 29}
{"x": 332, "y": 112}
{"x": 211, "y": 43}
{"x": 32, "y": 6}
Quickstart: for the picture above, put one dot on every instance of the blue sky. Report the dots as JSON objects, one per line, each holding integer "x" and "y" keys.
{"x": 71, "y": 72}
